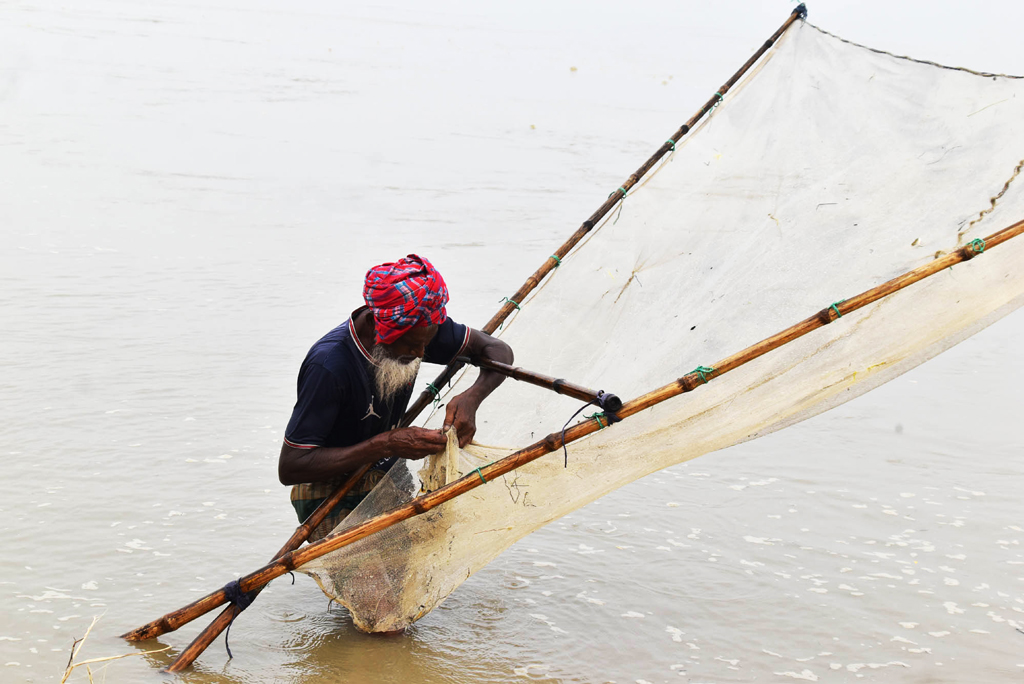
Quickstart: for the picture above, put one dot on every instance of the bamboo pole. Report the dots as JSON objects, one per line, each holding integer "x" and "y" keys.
{"x": 220, "y": 623}
{"x": 617, "y": 196}
{"x": 608, "y": 402}
{"x": 687, "y": 383}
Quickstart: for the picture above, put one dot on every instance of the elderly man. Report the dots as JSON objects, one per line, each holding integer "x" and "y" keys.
{"x": 356, "y": 382}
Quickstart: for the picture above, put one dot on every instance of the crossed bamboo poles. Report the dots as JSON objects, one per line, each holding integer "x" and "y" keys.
{"x": 301, "y": 534}
{"x": 687, "y": 383}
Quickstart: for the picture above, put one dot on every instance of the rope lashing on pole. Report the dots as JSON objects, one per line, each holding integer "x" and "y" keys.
{"x": 436, "y": 392}
{"x": 600, "y": 416}
{"x": 513, "y": 303}
{"x": 715, "y": 105}
{"x": 703, "y": 372}
{"x": 233, "y": 592}
{"x": 977, "y": 245}
{"x": 609, "y": 402}
{"x": 622, "y": 203}
{"x": 835, "y": 307}
{"x": 558, "y": 261}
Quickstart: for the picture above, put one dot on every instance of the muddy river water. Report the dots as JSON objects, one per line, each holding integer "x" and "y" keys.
{"x": 189, "y": 196}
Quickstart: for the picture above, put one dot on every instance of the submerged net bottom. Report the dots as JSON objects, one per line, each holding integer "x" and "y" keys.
{"x": 405, "y": 572}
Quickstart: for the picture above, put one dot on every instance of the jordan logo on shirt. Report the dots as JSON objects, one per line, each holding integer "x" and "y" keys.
{"x": 370, "y": 411}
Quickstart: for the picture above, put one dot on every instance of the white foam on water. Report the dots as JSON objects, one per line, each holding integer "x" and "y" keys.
{"x": 804, "y": 674}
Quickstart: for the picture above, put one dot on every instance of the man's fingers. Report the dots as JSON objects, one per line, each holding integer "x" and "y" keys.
{"x": 427, "y": 441}
{"x": 449, "y": 417}
{"x": 437, "y": 437}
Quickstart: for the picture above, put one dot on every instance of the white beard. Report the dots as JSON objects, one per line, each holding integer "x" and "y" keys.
{"x": 390, "y": 375}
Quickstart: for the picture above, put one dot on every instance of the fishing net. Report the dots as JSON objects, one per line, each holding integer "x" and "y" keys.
{"x": 828, "y": 170}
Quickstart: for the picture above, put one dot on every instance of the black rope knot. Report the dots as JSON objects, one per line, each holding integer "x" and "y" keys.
{"x": 233, "y": 592}
{"x": 610, "y": 404}
{"x": 605, "y": 401}
{"x": 801, "y": 10}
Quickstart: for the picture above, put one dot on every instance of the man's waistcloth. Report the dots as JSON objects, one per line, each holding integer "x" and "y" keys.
{"x": 307, "y": 497}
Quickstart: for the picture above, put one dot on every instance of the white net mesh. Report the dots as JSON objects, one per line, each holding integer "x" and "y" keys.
{"x": 829, "y": 169}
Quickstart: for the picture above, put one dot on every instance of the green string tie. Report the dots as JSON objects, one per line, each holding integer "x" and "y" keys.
{"x": 598, "y": 416}
{"x": 835, "y": 307}
{"x": 436, "y": 392}
{"x": 671, "y": 142}
{"x": 482, "y": 478}
{"x": 622, "y": 190}
{"x": 977, "y": 245}
{"x": 558, "y": 262}
{"x": 513, "y": 303}
{"x": 715, "y": 106}
{"x": 703, "y": 372}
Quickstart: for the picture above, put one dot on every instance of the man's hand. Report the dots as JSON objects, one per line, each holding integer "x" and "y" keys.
{"x": 415, "y": 442}
{"x": 461, "y": 413}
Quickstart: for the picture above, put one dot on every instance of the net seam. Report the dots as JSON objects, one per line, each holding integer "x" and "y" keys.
{"x": 994, "y": 199}
{"x": 985, "y": 74}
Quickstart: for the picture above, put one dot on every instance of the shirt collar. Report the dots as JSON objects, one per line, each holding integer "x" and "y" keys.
{"x": 355, "y": 335}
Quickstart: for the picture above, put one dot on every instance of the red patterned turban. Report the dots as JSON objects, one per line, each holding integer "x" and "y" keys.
{"x": 403, "y": 295}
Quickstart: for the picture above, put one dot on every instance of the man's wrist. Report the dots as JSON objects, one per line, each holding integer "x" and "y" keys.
{"x": 475, "y": 395}
{"x": 383, "y": 446}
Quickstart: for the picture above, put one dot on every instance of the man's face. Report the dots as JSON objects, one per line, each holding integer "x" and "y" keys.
{"x": 411, "y": 345}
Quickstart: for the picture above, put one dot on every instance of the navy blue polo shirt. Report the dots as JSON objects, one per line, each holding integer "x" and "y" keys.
{"x": 337, "y": 406}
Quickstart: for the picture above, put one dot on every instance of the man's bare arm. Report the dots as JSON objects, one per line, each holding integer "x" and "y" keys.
{"x": 322, "y": 464}
{"x": 461, "y": 410}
